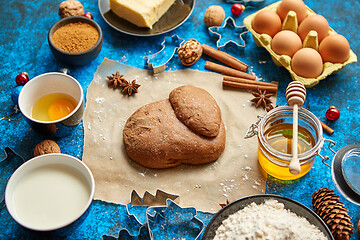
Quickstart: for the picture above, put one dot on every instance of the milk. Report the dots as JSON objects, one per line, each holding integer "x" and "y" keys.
{"x": 50, "y": 196}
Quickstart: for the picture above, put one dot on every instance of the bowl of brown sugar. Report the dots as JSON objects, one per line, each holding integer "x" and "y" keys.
{"x": 75, "y": 40}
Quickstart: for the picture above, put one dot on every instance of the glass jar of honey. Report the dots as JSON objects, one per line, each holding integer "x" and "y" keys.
{"x": 275, "y": 141}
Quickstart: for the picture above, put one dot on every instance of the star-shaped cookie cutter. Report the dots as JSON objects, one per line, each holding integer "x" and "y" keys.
{"x": 158, "y": 61}
{"x": 248, "y": 3}
{"x": 228, "y": 31}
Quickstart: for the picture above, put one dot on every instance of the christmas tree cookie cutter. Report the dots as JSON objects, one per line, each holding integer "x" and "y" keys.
{"x": 159, "y": 199}
{"x": 158, "y": 61}
{"x": 160, "y": 222}
{"x": 7, "y": 166}
{"x": 226, "y": 35}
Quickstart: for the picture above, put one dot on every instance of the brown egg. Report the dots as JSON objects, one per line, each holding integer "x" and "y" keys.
{"x": 267, "y": 22}
{"x": 307, "y": 63}
{"x": 334, "y": 48}
{"x": 286, "y": 43}
{"x": 315, "y": 22}
{"x": 297, "y": 6}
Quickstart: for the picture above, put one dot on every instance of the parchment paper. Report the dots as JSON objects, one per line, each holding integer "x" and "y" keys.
{"x": 235, "y": 174}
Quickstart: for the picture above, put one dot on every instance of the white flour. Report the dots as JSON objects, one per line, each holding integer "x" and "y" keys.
{"x": 267, "y": 221}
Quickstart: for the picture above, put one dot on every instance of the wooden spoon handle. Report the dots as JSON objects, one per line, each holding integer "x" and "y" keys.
{"x": 294, "y": 166}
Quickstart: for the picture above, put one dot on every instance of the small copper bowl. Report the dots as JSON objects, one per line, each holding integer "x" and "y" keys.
{"x": 77, "y": 58}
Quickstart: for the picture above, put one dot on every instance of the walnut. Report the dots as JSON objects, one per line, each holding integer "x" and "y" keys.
{"x": 214, "y": 16}
{"x": 71, "y": 8}
{"x": 190, "y": 52}
{"x": 45, "y": 147}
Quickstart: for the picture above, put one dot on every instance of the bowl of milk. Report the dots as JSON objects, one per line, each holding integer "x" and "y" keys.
{"x": 49, "y": 192}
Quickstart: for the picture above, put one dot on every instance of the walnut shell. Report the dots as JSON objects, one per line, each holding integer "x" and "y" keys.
{"x": 45, "y": 147}
{"x": 214, "y": 16}
{"x": 71, "y": 8}
{"x": 190, "y": 52}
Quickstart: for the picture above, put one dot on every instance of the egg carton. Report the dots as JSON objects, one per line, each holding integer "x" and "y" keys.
{"x": 290, "y": 23}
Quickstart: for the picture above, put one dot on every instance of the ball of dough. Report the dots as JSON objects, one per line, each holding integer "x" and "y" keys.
{"x": 157, "y": 135}
{"x": 214, "y": 16}
{"x": 197, "y": 109}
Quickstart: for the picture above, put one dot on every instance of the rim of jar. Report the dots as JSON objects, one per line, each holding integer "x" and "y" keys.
{"x": 285, "y": 156}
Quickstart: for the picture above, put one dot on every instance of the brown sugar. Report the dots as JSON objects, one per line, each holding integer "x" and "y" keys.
{"x": 75, "y": 37}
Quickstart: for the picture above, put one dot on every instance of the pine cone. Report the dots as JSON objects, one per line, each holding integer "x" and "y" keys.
{"x": 328, "y": 206}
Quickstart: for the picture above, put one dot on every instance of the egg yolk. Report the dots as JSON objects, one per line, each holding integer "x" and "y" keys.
{"x": 59, "y": 109}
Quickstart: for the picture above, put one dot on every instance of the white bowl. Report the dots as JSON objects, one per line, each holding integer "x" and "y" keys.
{"x": 49, "y": 192}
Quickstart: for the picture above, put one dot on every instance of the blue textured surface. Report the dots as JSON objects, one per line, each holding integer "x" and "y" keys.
{"x": 24, "y": 47}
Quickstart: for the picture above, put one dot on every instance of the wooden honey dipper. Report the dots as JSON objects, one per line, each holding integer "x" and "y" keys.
{"x": 295, "y": 96}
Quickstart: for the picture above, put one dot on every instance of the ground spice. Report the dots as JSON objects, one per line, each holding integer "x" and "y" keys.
{"x": 75, "y": 37}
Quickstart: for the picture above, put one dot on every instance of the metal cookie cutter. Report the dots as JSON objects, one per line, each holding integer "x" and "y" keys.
{"x": 180, "y": 220}
{"x": 229, "y": 34}
{"x": 248, "y": 3}
{"x": 157, "y": 61}
{"x": 158, "y": 222}
{"x": 150, "y": 200}
{"x": 7, "y": 166}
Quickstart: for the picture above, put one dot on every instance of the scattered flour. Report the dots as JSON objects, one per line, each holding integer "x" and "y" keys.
{"x": 267, "y": 221}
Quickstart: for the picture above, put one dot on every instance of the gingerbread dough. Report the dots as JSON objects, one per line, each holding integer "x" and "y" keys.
{"x": 156, "y": 138}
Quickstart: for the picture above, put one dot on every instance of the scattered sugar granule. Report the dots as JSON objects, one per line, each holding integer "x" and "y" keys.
{"x": 269, "y": 220}
{"x": 247, "y": 168}
{"x": 245, "y": 177}
{"x": 99, "y": 100}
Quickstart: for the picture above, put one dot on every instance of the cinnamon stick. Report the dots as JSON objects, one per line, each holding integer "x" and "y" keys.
{"x": 249, "y": 86}
{"x": 327, "y": 128}
{"x": 224, "y": 58}
{"x": 227, "y": 71}
{"x": 244, "y": 80}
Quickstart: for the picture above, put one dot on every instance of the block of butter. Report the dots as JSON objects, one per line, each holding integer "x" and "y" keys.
{"x": 139, "y": 12}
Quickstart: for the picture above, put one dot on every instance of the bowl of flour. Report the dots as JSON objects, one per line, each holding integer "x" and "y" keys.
{"x": 266, "y": 216}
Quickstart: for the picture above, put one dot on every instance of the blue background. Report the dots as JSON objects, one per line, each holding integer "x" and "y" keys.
{"x": 24, "y": 47}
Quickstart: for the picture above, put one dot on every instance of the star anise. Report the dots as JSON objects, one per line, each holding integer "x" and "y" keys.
{"x": 130, "y": 88}
{"x": 271, "y": 107}
{"x": 116, "y": 80}
{"x": 224, "y": 204}
{"x": 261, "y": 98}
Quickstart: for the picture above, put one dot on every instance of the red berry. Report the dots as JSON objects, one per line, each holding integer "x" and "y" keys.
{"x": 332, "y": 113}
{"x": 88, "y": 15}
{"x": 22, "y": 78}
{"x": 237, "y": 9}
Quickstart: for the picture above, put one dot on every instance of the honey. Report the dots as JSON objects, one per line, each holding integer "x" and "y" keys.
{"x": 52, "y": 107}
{"x": 275, "y": 142}
{"x": 279, "y": 137}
